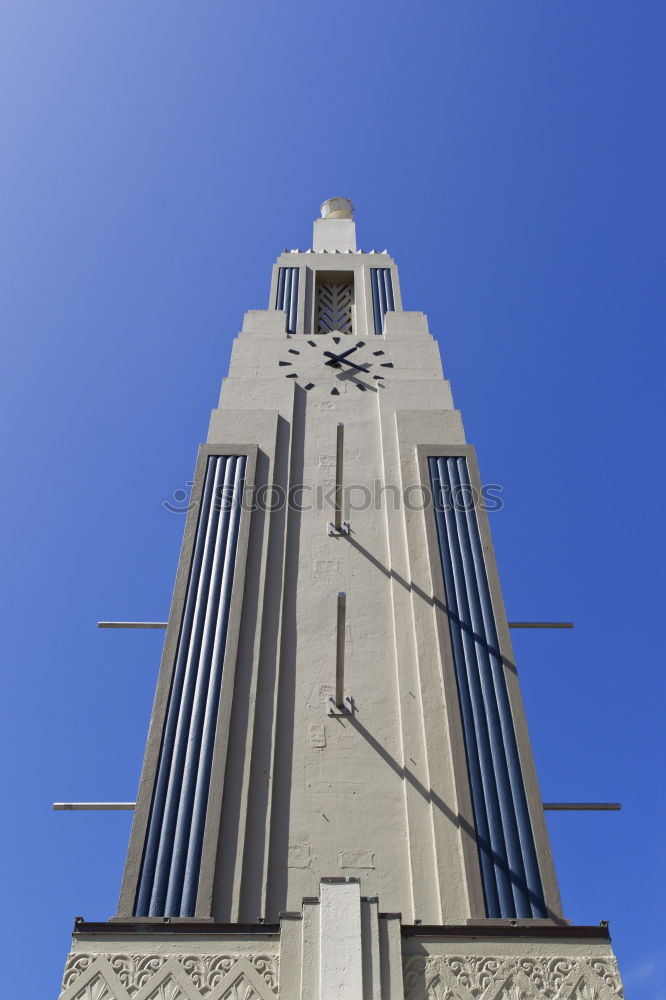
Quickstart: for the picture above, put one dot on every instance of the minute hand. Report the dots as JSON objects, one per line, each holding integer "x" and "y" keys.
{"x": 335, "y": 358}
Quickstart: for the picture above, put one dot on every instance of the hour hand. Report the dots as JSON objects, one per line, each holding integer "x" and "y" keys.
{"x": 359, "y": 368}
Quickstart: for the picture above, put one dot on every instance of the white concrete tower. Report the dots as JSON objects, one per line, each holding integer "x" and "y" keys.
{"x": 338, "y": 797}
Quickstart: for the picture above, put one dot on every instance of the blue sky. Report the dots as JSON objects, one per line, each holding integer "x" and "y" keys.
{"x": 156, "y": 156}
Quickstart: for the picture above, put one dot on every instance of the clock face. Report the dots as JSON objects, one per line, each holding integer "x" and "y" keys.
{"x": 323, "y": 363}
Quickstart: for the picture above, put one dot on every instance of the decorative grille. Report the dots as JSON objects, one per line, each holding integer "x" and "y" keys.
{"x": 334, "y": 306}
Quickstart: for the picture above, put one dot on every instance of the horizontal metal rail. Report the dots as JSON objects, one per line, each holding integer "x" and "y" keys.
{"x": 540, "y": 624}
{"x": 583, "y": 806}
{"x": 164, "y": 624}
{"x": 551, "y": 806}
{"x": 131, "y": 624}
{"x": 107, "y": 806}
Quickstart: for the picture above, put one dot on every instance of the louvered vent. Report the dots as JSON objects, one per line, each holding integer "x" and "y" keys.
{"x": 334, "y": 306}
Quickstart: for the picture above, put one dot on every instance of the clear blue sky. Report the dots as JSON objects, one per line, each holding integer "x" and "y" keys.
{"x": 156, "y": 156}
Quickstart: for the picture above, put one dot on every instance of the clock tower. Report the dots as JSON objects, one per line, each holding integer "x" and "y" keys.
{"x": 338, "y": 797}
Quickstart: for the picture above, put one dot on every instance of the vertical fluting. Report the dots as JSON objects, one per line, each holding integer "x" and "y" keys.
{"x": 153, "y": 836}
{"x": 194, "y": 695}
{"x": 469, "y": 676}
{"x": 388, "y": 288}
{"x": 209, "y": 606}
{"x": 507, "y": 854}
{"x": 279, "y": 297}
{"x": 484, "y": 649}
{"x": 193, "y": 857}
{"x": 376, "y": 312}
{"x": 382, "y": 295}
{"x": 469, "y": 716}
{"x": 287, "y": 295}
{"x": 527, "y": 891}
{"x": 293, "y": 301}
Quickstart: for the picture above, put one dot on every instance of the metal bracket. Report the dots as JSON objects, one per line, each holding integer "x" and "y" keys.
{"x": 342, "y": 530}
{"x": 347, "y": 707}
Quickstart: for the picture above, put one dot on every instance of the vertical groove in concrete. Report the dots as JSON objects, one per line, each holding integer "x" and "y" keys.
{"x": 275, "y": 878}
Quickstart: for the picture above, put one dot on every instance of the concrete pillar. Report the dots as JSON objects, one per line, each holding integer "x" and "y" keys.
{"x": 340, "y": 943}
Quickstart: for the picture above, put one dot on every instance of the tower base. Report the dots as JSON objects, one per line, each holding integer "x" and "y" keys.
{"x": 339, "y": 947}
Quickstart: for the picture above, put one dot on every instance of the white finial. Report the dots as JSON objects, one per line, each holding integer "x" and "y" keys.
{"x": 337, "y": 208}
{"x": 335, "y": 232}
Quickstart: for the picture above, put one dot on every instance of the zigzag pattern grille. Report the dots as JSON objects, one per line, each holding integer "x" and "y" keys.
{"x": 334, "y": 307}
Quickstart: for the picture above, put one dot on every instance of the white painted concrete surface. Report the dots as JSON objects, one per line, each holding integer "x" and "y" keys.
{"x": 341, "y": 960}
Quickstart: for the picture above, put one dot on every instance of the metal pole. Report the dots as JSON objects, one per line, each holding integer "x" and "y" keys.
{"x": 131, "y": 624}
{"x": 340, "y": 651}
{"x": 94, "y": 805}
{"x": 583, "y": 806}
{"x": 540, "y": 624}
{"x": 337, "y": 521}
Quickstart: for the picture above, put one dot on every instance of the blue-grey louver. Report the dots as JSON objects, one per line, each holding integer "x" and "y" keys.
{"x": 382, "y": 295}
{"x": 172, "y": 856}
{"x": 507, "y": 854}
{"x": 287, "y": 295}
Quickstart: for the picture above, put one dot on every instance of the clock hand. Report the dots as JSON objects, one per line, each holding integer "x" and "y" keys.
{"x": 359, "y": 368}
{"x": 350, "y": 351}
{"x": 339, "y": 357}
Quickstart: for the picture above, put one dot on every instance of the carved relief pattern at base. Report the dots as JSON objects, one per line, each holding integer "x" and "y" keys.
{"x": 437, "y": 977}
{"x": 170, "y": 977}
{"x": 96, "y": 989}
{"x": 168, "y": 989}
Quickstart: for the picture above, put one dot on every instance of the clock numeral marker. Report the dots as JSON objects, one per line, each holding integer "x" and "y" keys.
{"x": 310, "y": 385}
{"x": 283, "y": 363}
{"x": 360, "y": 386}
{"x": 292, "y": 351}
{"x": 292, "y": 375}
{"x": 312, "y": 343}
{"x": 378, "y": 377}
{"x": 387, "y": 364}
{"x": 336, "y": 340}
{"x": 335, "y": 392}
{"x": 377, "y": 353}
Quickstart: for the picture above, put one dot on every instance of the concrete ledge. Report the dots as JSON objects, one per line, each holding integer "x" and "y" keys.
{"x": 482, "y": 930}
{"x": 265, "y": 321}
{"x": 405, "y": 322}
{"x": 174, "y": 925}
